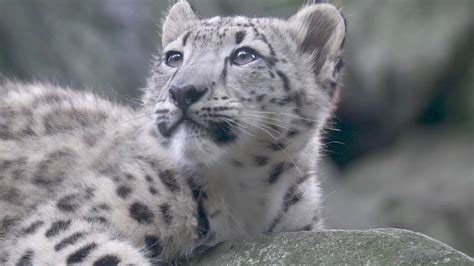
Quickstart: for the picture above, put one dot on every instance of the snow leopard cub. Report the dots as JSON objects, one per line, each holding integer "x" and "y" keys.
{"x": 225, "y": 146}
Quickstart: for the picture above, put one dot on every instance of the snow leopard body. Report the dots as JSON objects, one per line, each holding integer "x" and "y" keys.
{"x": 225, "y": 146}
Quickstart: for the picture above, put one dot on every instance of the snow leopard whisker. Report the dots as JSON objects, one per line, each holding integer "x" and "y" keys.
{"x": 257, "y": 124}
{"x": 254, "y": 124}
{"x": 226, "y": 209}
{"x": 293, "y": 162}
{"x": 285, "y": 114}
{"x": 269, "y": 124}
{"x": 285, "y": 138}
{"x": 285, "y": 153}
{"x": 127, "y": 99}
{"x": 282, "y": 149}
{"x": 264, "y": 120}
{"x": 238, "y": 125}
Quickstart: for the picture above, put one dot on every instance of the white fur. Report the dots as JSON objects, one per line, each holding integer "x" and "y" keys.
{"x": 276, "y": 99}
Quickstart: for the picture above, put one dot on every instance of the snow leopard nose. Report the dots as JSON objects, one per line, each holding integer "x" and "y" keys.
{"x": 185, "y": 96}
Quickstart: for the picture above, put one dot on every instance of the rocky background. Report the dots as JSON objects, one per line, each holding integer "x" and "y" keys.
{"x": 400, "y": 152}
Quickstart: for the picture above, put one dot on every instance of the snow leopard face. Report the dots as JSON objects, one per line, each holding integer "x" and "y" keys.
{"x": 226, "y": 85}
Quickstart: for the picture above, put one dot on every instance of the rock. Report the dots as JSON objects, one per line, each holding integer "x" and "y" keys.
{"x": 461, "y": 102}
{"x": 84, "y": 44}
{"x": 402, "y": 57}
{"x": 336, "y": 247}
{"x": 424, "y": 183}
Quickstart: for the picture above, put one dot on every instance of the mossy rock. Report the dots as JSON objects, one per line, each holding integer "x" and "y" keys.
{"x": 336, "y": 247}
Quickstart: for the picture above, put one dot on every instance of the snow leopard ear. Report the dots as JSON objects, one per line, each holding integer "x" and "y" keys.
{"x": 180, "y": 17}
{"x": 320, "y": 30}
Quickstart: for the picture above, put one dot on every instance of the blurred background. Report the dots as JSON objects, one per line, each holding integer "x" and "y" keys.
{"x": 400, "y": 152}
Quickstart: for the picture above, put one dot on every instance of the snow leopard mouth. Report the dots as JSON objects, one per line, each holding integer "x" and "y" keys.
{"x": 220, "y": 132}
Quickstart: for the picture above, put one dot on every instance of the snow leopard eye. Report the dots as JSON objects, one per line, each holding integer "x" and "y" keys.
{"x": 173, "y": 59}
{"x": 244, "y": 56}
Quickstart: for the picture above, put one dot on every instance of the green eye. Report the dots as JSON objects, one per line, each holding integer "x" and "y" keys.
{"x": 244, "y": 56}
{"x": 173, "y": 59}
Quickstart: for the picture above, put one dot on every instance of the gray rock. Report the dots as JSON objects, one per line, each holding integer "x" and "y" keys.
{"x": 402, "y": 58}
{"x": 81, "y": 43}
{"x": 424, "y": 183}
{"x": 336, "y": 247}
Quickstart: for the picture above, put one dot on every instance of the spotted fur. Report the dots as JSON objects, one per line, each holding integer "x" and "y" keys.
{"x": 221, "y": 149}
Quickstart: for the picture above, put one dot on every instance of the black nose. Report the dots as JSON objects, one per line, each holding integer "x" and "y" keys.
{"x": 183, "y": 97}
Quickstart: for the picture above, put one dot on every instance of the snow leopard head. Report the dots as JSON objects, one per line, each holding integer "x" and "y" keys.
{"x": 225, "y": 85}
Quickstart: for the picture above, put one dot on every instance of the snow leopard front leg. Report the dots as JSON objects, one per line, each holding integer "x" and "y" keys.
{"x": 70, "y": 241}
{"x": 111, "y": 222}
{"x": 61, "y": 232}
